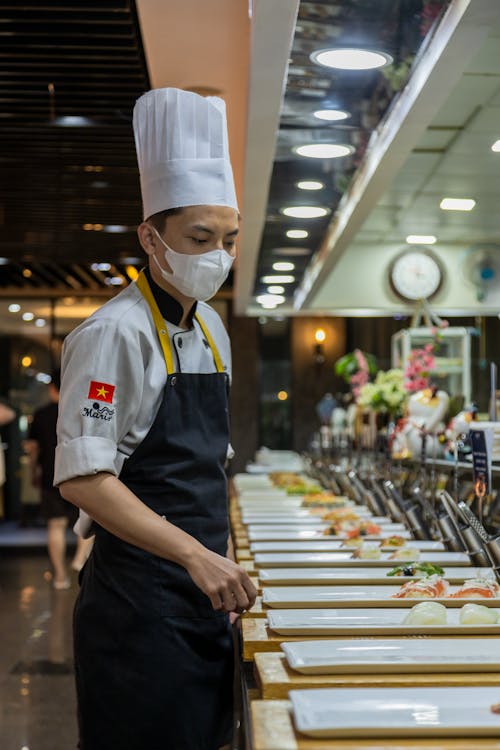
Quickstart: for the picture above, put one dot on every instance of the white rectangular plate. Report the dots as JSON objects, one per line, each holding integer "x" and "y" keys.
{"x": 318, "y": 545}
{"x": 394, "y": 655}
{"x": 355, "y": 576}
{"x": 261, "y": 533}
{"x": 396, "y": 712}
{"x": 314, "y": 622}
{"x": 343, "y": 558}
{"x": 309, "y": 597}
{"x": 290, "y": 518}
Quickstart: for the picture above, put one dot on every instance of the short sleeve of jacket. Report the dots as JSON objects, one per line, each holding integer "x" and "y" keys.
{"x": 102, "y": 376}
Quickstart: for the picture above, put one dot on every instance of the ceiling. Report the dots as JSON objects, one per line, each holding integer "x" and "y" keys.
{"x": 70, "y": 200}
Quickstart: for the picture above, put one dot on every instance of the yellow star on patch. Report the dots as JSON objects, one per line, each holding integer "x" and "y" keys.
{"x": 102, "y": 391}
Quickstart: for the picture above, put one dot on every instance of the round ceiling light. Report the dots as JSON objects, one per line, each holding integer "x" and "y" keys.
{"x": 283, "y": 265}
{"x": 331, "y": 115}
{"x": 304, "y": 212}
{"x": 351, "y": 59}
{"x": 297, "y": 234}
{"x": 270, "y": 299}
{"x": 324, "y": 150}
{"x": 310, "y": 185}
{"x": 275, "y": 289}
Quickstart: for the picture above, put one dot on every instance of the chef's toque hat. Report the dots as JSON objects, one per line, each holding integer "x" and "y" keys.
{"x": 182, "y": 150}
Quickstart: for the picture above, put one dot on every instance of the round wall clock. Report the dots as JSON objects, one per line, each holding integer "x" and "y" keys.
{"x": 416, "y": 274}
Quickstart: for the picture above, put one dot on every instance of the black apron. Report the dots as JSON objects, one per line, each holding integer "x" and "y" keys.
{"x": 153, "y": 660}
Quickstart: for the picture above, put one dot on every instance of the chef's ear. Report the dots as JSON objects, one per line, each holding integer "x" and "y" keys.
{"x": 147, "y": 237}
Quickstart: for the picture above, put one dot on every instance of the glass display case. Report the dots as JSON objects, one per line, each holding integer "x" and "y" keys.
{"x": 452, "y": 371}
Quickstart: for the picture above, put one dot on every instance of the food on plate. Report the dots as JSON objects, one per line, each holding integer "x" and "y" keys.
{"x": 426, "y": 613}
{"x": 284, "y": 478}
{"x": 393, "y": 541}
{"x": 478, "y": 614}
{"x": 432, "y": 587}
{"x": 353, "y": 543}
{"x": 406, "y": 553}
{"x": 302, "y": 489}
{"x": 495, "y": 708}
{"x": 368, "y": 551}
{"x": 418, "y": 570}
{"x": 341, "y": 514}
{"x": 477, "y": 588}
{"x": 322, "y": 500}
{"x": 351, "y": 529}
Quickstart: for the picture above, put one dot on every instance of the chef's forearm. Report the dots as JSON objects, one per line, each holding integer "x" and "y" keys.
{"x": 114, "y": 507}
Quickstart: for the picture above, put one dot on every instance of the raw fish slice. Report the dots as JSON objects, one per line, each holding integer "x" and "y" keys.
{"x": 477, "y": 588}
{"x": 433, "y": 587}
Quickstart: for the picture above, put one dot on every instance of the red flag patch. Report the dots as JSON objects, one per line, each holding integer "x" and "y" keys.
{"x": 101, "y": 391}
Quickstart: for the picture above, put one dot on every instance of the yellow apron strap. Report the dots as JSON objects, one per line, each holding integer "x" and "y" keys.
{"x": 160, "y": 324}
{"x": 162, "y": 330}
{"x": 215, "y": 352}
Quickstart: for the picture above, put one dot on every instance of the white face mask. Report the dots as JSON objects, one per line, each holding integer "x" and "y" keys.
{"x": 196, "y": 276}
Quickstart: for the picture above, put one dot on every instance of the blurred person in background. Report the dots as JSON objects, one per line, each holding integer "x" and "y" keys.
{"x": 41, "y": 448}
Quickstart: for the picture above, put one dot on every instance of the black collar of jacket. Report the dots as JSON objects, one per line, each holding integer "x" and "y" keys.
{"x": 170, "y": 309}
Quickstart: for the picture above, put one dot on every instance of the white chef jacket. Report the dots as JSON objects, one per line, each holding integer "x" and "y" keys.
{"x": 117, "y": 350}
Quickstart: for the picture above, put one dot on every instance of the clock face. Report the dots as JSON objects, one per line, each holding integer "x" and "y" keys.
{"x": 416, "y": 275}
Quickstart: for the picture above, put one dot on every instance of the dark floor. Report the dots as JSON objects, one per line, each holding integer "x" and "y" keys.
{"x": 37, "y": 696}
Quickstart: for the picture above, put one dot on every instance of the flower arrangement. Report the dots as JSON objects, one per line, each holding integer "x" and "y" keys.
{"x": 421, "y": 362}
{"x": 386, "y": 394}
{"x": 356, "y": 368}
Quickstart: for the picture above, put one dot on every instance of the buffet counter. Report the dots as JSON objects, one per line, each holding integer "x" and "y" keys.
{"x": 303, "y": 606}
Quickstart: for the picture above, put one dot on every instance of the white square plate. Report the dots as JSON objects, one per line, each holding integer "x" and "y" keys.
{"x": 343, "y": 558}
{"x": 388, "y": 655}
{"x": 355, "y": 576}
{"x": 396, "y": 712}
{"x": 310, "y": 597}
{"x": 372, "y": 621}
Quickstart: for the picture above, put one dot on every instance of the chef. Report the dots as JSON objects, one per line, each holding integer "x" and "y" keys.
{"x": 143, "y": 436}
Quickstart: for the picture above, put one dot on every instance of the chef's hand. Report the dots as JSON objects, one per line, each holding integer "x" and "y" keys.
{"x": 227, "y": 584}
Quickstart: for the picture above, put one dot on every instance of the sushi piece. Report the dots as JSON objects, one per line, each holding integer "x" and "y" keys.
{"x": 406, "y": 553}
{"x": 368, "y": 551}
{"x": 433, "y": 587}
{"x": 495, "y": 708}
{"x": 478, "y": 614}
{"x": 477, "y": 588}
{"x": 426, "y": 613}
{"x": 393, "y": 541}
{"x": 353, "y": 543}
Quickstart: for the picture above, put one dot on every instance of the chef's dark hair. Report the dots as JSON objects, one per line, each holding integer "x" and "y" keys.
{"x": 158, "y": 220}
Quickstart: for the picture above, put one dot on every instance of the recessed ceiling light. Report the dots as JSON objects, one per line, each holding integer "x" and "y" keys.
{"x": 115, "y": 228}
{"x": 14, "y": 307}
{"x": 310, "y": 185}
{"x": 457, "y": 204}
{"x": 114, "y": 281}
{"x": 72, "y": 121}
{"x": 27, "y": 273}
{"x": 496, "y": 147}
{"x": 278, "y": 279}
{"x": 28, "y": 316}
{"x": 283, "y": 265}
{"x": 4, "y": 261}
{"x": 43, "y": 377}
{"x": 305, "y": 212}
{"x": 40, "y": 322}
{"x": 351, "y": 59}
{"x": 100, "y": 266}
{"x": 297, "y": 234}
{"x": 324, "y": 150}
{"x": 275, "y": 289}
{"x": 271, "y": 299}
{"x": 331, "y": 115}
{"x": 421, "y": 239}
